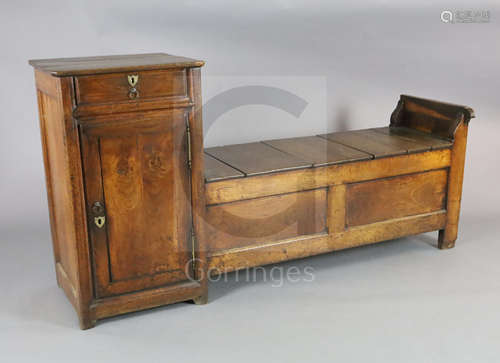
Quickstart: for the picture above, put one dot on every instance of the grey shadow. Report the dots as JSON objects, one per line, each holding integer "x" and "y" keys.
{"x": 334, "y": 261}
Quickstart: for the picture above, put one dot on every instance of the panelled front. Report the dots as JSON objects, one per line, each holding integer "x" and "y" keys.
{"x": 135, "y": 166}
{"x": 263, "y": 220}
{"x": 397, "y": 197}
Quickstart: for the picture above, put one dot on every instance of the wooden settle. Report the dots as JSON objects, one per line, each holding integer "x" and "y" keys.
{"x": 141, "y": 213}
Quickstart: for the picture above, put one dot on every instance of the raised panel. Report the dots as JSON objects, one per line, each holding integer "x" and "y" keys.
{"x": 250, "y": 222}
{"x": 140, "y": 174}
{"x": 378, "y": 200}
{"x": 58, "y": 187}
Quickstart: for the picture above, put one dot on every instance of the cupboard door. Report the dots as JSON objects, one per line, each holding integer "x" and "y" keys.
{"x": 138, "y": 201}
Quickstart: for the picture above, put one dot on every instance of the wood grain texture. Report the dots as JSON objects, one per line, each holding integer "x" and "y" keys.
{"x": 433, "y": 142}
{"x": 396, "y": 197}
{"x": 112, "y": 64}
{"x": 199, "y": 244}
{"x": 114, "y": 87}
{"x": 140, "y": 175}
{"x": 377, "y": 144}
{"x": 337, "y": 208}
{"x": 217, "y": 170}
{"x": 64, "y": 180}
{"x": 122, "y": 304}
{"x": 251, "y": 222}
{"x": 437, "y": 118}
{"x": 161, "y": 103}
{"x": 291, "y": 181}
{"x": 317, "y": 244}
{"x": 318, "y": 151}
{"x": 256, "y": 158}
{"x": 165, "y": 226}
{"x": 448, "y": 235}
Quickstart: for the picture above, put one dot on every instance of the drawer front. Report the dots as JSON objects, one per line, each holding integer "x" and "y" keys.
{"x": 119, "y": 87}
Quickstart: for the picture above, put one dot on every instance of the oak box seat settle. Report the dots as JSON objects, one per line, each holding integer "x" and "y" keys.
{"x": 141, "y": 213}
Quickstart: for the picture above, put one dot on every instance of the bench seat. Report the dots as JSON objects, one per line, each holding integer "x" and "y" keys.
{"x": 256, "y": 158}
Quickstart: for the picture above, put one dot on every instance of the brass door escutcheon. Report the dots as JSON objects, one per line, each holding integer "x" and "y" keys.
{"x": 99, "y": 221}
{"x": 97, "y": 209}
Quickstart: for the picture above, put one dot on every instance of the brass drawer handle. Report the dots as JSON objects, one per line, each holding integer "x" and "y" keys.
{"x": 133, "y": 94}
{"x": 132, "y": 82}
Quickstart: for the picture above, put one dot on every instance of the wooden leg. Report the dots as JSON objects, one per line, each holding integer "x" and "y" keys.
{"x": 448, "y": 235}
{"x": 444, "y": 244}
{"x": 201, "y": 300}
{"x": 86, "y": 322}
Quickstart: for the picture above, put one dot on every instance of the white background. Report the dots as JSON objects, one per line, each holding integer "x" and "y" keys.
{"x": 401, "y": 301}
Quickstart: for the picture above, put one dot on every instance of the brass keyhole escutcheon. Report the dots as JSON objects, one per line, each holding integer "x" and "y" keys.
{"x": 132, "y": 80}
{"x": 99, "y": 221}
{"x": 98, "y": 211}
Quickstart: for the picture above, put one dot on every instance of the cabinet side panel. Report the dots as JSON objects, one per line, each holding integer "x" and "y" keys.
{"x": 58, "y": 185}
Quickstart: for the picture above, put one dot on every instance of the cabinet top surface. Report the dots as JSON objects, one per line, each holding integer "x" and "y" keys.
{"x": 114, "y": 63}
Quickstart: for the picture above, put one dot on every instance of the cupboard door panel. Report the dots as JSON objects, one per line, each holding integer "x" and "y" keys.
{"x": 141, "y": 177}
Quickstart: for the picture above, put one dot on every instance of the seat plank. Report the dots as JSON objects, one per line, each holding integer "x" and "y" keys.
{"x": 216, "y": 170}
{"x": 256, "y": 158}
{"x": 376, "y": 143}
{"x": 318, "y": 151}
{"x": 415, "y": 136}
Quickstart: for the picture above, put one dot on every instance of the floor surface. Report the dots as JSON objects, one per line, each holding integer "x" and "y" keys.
{"x": 398, "y": 301}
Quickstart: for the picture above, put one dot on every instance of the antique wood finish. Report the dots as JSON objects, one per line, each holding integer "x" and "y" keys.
{"x": 224, "y": 191}
{"x": 448, "y": 235}
{"x": 416, "y": 136}
{"x": 217, "y": 170}
{"x": 318, "y": 151}
{"x": 64, "y": 182}
{"x": 256, "y": 158}
{"x": 432, "y": 117}
{"x": 396, "y": 197}
{"x": 132, "y": 156}
{"x": 376, "y": 143}
{"x": 263, "y": 220}
{"x": 141, "y": 214}
{"x": 138, "y": 172}
{"x": 313, "y": 245}
{"x": 113, "y": 87}
{"x": 113, "y": 64}
{"x": 198, "y": 185}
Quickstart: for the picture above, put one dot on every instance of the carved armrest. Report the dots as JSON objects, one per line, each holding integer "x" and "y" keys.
{"x": 437, "y": 118}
